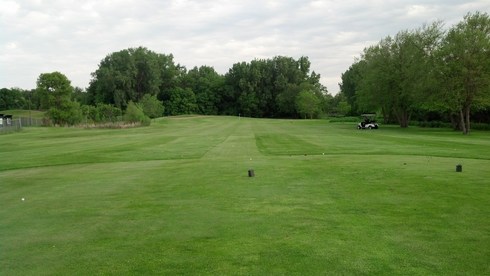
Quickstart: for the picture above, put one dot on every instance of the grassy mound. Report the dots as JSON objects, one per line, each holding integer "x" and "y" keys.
{"x": 35, "y": 114}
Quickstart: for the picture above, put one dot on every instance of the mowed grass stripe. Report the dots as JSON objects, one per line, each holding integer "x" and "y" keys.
{"x": 340, "y": 213}
{"x": 323, "y": 138}
{"x": 183, "y": 138}
{"x": 165, "y": 140}
{"x": 239, "y": 143}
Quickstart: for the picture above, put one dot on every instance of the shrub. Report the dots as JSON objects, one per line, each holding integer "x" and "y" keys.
{"x": 480, "y": 126}
{"x": 151, "y": 106}
{"x": 431, "y": 124}
{"x": 107, "y": 113}
{"x": 67, "y": 113}
{"x": 135, "y": 114}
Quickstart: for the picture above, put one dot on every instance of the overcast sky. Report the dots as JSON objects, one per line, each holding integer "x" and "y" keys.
{"x": 72, "y": 36}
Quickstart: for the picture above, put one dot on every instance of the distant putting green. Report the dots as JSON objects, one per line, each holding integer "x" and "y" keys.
{"x": 174, "y": 198}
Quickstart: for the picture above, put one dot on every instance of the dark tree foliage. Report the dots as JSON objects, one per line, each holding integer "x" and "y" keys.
{"x": 129, "y": 74}
{"x": 80, "y": 96}
{"x": 55, "y": 91}
{"x": 269, "y": 88}
{"x": 102, "y": 113}
{"x": 181, "y": 101}
{"x": 464, "y": 69}
{"x": 260, "y": 88}
{"x": 394, "y": 76}
{"x": 107, "y": 113}
{"x": 350, "y": 85}
{"x": 208, "y": 87}
{"x": 13, "y": 98}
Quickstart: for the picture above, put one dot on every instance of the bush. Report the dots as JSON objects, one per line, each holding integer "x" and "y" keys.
{"x": 107, "y": 113}
{"x": 68, "y": 113}
{"x": 151, "y": 106}
{"x": 89, "y": 112}
{"x": 480, "y": 126}
{"x": 431, "y": 124}
{"x": 135, "y": 114}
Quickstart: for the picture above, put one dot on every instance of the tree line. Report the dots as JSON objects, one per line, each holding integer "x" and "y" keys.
{"x": 259, "y": 88}
{"x": 425, "y": 74}
{"x": 281, "y": 87}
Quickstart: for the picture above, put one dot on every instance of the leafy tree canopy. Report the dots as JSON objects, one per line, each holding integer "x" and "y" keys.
{"x": 56, "y": 93}
{"x": 129, "y": 74}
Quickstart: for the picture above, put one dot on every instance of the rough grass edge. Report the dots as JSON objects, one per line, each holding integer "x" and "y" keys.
{"x": 113, "y": 125}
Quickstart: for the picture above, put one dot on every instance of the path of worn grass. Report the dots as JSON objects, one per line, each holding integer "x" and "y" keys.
{"x": 175, "y": 198}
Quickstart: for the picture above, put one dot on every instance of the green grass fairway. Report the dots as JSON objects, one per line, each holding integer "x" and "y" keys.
{"x": 174, "y": 198}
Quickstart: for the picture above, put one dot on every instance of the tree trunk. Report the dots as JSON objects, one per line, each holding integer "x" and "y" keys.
{"x": 467, "y": 120}
{"x": 406, "y": 119}
{"x": 403, "y": 117}
{"x": 455, "y": 121}
{"x": 386, "y": 116}
{"x": 463, "y": 121}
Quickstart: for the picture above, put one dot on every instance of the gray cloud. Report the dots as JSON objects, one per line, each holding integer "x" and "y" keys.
{"x": 73, "y": 36}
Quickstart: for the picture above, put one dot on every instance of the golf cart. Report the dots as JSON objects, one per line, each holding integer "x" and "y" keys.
{"x": 368, "y": 122}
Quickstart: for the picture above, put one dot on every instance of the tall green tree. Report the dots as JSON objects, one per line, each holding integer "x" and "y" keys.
{"x": 286, "y": 100}
{"x": 308, "y": 104}
{"x": 207, "y": 86}
{"x": 339, "y": 105}
{"x": 350, "y": 84}
{"x": 395, "y": 76}
{"x": 464, "y": 67}
{"x": 55, "y": 91}
{"x": 373, "y": 91}
{"x": 268, "y": 88}
{"x": 129, "y": 74}
{"x": 181, "y": 101}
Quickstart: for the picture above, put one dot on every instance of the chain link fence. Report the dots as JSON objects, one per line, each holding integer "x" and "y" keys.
{"x": 8, "y": 125}
{"x": 31, "y": 122}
